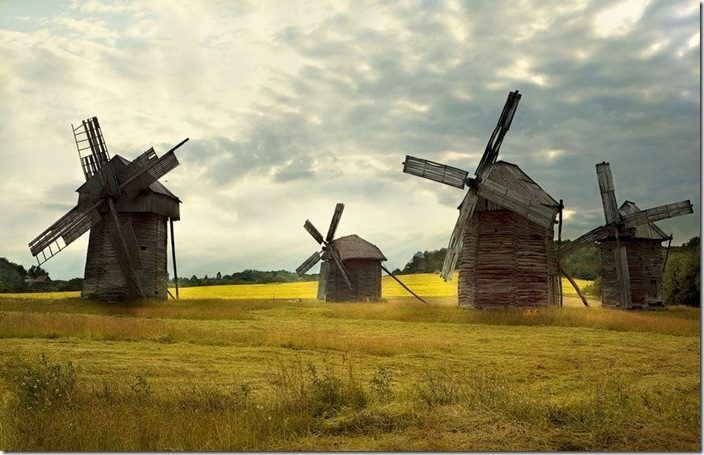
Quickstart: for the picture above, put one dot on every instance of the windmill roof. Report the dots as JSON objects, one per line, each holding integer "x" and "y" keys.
{"x": 156, "y": 187}
{"x": 355, "y": 247}
{"x": 644, "y": 231}
{"x": 511, "y": 176}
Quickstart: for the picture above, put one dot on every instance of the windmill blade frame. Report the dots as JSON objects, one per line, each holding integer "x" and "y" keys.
{"x": 68, "y": 228}
{"x": 456, "y": 238}
{"x": 314, "y": 232}
{"x": 491, "y": 152}
{"x": 308, "y": 263}
{"x": 585, "y": 239}
{"x": 516, "y": 203}
{"x": 334, "y": 222}
{"x": 659, "y": 213}
{"x": 436, "y": 172}
{"x": 608, "y": 192}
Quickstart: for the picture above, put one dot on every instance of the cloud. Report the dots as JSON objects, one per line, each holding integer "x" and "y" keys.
{"x": 291, "y": 108}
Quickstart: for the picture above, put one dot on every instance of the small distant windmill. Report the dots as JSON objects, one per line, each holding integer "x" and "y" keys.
{"x": 126, "y": 209}
{"x": 630, "y": 247}
{"x": 504, "y": 231}
{"x": 351, "y": 267}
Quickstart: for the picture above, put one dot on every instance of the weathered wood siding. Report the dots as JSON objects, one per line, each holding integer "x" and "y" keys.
{"x": 365, "y": 276}
{"x": 506, "y": 261}
{"x": 103, "y": 277}
{"x": 645, "y": 262}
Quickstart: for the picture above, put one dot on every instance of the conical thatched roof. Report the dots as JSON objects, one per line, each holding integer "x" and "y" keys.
{"x": 355, "y": 247}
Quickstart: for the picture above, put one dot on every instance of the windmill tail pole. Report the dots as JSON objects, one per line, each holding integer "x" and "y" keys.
{"x": 576, "y": 288}
{"x": 178, "y": 145}
{"x": 403, "y": 285}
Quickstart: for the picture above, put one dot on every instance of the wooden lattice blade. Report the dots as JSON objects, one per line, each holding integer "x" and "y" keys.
{"x": 308, "y": 264}
{"x": 437, "y": 172}
{"x": 491, "y": 152}
{"x": 313, "y": 232}
{"x": 608, "y": 192}
{"x": 335, "y": 221}
{"x": 68, "y": 228}
{"x": 588, "y": 238}
{"x": 659, "y": 213}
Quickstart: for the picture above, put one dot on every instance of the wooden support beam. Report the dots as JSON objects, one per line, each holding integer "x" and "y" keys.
{"x": 173, "y": 255}
{"x": 576, "y": 288}
{"x": 559, "y": 244}
{"x": 403, "y": 285}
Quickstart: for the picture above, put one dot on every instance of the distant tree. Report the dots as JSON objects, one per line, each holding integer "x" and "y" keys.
{"x": 12, "y": 276}
{"x": 584, "y": 263}
{"x": 682, "y": 279}
{"x": 218, "y": 276}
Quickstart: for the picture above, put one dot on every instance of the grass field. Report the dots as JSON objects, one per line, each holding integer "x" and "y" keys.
{"x": 254, "y": 368}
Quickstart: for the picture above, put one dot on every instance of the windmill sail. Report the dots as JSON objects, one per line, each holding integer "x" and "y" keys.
{"x": 90, "y": 143}
{"x": 659, "y": 213}
{"x": 435, "y": 171}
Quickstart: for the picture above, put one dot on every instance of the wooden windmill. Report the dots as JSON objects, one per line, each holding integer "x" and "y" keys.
{"x": 351, "y": 267}
{"x": 126, "y": 210}
{"x": 630, "y": 247}
{"x": 504, "y": 231}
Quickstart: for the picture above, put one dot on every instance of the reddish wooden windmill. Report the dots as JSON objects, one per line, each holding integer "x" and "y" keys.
{"x": 630, "y": 247}
{"x": 126, "y": 209}
{"x": 504, "y": 231}
{"x": 351, "y": 267}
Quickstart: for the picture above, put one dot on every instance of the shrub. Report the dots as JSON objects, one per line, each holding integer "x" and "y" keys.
{"x": 39, "y": 384}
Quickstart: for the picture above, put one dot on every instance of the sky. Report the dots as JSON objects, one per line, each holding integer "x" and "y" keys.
{"x": 291, "y": 107}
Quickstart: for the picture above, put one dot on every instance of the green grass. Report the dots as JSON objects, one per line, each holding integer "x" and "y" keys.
{"x": 242, "y": 373}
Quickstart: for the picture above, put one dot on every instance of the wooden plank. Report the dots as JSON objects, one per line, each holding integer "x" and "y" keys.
{"x": 437, "y": 172}
{"x": 335, "y": 221}
{"x": 308, "y": 226}
{"x": 608, "y": 192}
{"x": 127, "y": 264}
{"x": 659, "y": 213}
{"x": 623, "y": 278}
{"x": 308, "y": 263}
{"x": 455, "y": 246}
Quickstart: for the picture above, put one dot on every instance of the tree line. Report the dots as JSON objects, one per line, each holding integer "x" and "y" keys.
{"x": 681, "y": 278}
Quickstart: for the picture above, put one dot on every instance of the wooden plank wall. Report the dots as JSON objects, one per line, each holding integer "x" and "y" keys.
{"x": 645, "y": 262}
{"x": 507, "y": 261}
{"x": 365, "y": 275}
{"x": 103, "y": 278}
